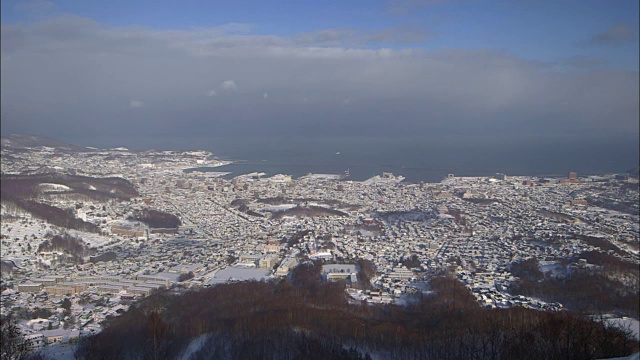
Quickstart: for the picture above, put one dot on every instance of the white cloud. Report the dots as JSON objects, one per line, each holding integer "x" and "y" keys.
{"x": 265, "y": 95}
{"x": 136, "y": 104}
{"x": 229, "y": 85}
{"x": 409, "y": 88}
{"x": 357, "y": 38}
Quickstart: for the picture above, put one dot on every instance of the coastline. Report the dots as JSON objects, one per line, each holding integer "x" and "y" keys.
{"x": 237, "y": 168}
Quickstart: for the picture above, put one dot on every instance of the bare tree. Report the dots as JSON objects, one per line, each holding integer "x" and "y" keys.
{"x": 12, "y": 343}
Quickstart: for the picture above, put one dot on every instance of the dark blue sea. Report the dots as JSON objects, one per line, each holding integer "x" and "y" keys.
{"x": 427, "y": 159}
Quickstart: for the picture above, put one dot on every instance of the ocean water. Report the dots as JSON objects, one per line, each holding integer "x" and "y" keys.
{"x": 419, "y": 159}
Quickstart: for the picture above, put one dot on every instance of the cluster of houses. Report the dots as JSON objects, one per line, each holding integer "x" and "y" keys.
{"x": 473, "y": 227}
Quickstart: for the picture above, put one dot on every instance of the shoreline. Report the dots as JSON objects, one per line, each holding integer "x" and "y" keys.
{"x": 252, "y": 168}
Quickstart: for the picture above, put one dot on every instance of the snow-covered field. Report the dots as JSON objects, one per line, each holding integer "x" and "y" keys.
{"x": 51, "y": 187}
{"x": 240, "y": 274}
{"x": 627, "y": 323}
{"x": 283, "y": 207}
{"x": 94, "y": 240}
{"x": 59, "y": 351}
{"x": 22, "y": 236}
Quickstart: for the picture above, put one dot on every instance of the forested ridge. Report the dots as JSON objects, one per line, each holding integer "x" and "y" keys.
{"x": 595, "y": 290}
{"x": 101, "y": 189}
{"x": 24, "y": 192}
{"x": 307, "y": 319}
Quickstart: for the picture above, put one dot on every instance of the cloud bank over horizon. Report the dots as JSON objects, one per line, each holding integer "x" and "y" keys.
{"x": 71, "y": 73}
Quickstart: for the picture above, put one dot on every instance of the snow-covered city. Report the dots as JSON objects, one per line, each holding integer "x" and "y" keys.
{"x": 383, "y": 237}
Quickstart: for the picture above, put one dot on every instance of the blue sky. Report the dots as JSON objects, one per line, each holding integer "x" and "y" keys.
{"x": 540, "y": 30}
{"x": 395, "y": 67}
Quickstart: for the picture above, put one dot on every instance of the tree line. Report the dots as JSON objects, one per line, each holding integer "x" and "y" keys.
{"x": 156, "y": 219}
{"x": 51, "y": 214}
{"x": 588, "y": 290}
{"x": 72, "y": 245}
{"x": 311, "y": 319}
{"x": 101, "y": 189}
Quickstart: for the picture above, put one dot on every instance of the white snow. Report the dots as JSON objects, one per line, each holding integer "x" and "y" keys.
{"x": 194, "y": 346}
{"x": 281, "y": 207}
{"x": 321, "y": 177}
{"x": 635, "y": 356}
{"x": 59, "y": 351}
{"x": 553, "y": 267}
{"x": 627, "y": 323}
{"x": 213, "y": 174}
{"x": 239, "y": 273}
{"x": 54, "y": 187}
{"x": 377, "y": 179}
{"x": 92, "y": 239}
{"x": 28, "y": 231}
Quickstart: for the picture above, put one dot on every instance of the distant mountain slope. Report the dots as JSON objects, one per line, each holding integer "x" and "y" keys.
{"x": 32, "y": 186}
{"x": 24, "y": 141}
{"x": 28, "y": 191}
